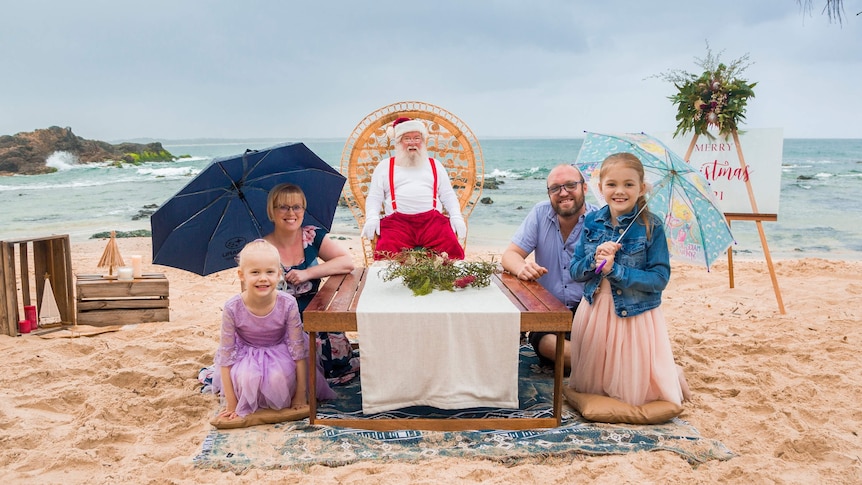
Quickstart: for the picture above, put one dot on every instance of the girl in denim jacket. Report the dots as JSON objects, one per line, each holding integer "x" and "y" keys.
{"x": 620, "y": 343}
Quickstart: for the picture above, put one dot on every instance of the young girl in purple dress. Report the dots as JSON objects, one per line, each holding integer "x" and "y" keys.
{"x": 262, "y": 359}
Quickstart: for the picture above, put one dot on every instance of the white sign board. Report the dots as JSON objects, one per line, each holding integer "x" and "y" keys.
{"x": 717, "y": 160}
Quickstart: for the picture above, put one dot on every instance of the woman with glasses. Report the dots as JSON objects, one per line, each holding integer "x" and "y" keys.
{"x": 307, "y": 255}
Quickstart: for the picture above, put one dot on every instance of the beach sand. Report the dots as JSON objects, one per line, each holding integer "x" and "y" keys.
{"x": 781, "y": 391}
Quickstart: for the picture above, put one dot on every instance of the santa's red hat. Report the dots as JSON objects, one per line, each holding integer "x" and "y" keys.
{"x": 405, "y": 125}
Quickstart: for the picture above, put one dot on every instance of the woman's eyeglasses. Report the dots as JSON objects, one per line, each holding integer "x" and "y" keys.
{"x": 570, "y": 186}
{"x": 294, "y": 208}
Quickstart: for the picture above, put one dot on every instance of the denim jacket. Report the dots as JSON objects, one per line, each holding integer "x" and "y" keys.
{"x": 641, "y": 267}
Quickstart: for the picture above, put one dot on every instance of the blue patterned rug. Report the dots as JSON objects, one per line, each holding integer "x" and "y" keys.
{"x": 300, "y": 445}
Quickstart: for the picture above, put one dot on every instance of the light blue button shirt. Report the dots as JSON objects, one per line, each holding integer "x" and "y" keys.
{"x": 540, "y": 233}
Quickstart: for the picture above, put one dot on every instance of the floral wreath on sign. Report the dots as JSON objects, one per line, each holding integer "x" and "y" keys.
{"x": 424, "y": 271}
{"x": 716, "y": 98}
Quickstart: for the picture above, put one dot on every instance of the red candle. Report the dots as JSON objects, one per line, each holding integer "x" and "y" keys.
{"x": 24, "y": 326}
{"x": 30, "y": 314}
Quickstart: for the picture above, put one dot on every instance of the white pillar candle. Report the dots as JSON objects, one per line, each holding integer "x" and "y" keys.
{"x": 136, "y": 265}
{"x": 124, "y": 274}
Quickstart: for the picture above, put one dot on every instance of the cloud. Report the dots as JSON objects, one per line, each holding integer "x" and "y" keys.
{"x": 196, "y": 68}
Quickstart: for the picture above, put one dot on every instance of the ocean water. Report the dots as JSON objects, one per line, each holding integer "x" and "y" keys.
{"x": 819, "y": 215}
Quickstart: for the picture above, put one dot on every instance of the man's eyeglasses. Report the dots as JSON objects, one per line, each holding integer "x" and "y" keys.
{"x": 411, "y": 139}
{"x": 569, "y": 186}
{"x": 295, "y": 208}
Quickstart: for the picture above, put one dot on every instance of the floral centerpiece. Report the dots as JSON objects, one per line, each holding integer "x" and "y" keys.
{"x": 716, "y": 98}
{"x": 425, "y": 271}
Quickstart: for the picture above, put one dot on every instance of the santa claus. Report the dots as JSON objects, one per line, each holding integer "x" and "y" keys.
{"x": 413, "y": 189}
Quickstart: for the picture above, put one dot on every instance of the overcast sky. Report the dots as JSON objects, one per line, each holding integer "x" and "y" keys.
{"x": 114, "y": 70}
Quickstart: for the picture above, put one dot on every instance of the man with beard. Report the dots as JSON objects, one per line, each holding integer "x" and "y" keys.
{"x": 413, "y": 189}
{"x": 551, "y": 230}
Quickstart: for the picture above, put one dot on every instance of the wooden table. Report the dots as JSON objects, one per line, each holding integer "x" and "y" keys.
{"x": 333, "y": 309}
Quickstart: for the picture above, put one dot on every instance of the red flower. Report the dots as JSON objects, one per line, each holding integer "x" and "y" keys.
{"x": 465, "y": 281}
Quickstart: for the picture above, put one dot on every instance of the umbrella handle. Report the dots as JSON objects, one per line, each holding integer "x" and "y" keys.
{"x": 602, "y": 264}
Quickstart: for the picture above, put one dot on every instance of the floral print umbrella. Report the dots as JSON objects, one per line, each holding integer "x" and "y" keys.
{"x": 695, "y": 227}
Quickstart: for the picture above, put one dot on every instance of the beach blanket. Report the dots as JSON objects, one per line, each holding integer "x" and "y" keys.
{"x": 452, "y": 349}
{"x": 299, "y": 445}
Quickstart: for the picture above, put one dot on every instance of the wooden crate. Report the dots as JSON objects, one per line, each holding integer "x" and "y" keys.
{"x": 102, "y": 301}
{"x": 51, "y": 258}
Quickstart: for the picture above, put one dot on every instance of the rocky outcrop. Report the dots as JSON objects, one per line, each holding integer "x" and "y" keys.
{"x": 26, "y": 153}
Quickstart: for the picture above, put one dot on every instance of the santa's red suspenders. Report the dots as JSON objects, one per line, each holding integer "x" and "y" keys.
{"x": 392, "y": 180}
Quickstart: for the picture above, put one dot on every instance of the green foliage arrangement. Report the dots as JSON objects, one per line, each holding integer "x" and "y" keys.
{"x": 425, "y": 271}
{"x": 716, "y": 98}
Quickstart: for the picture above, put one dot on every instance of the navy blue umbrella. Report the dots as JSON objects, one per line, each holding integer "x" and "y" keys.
{"x": 204, "y": 225}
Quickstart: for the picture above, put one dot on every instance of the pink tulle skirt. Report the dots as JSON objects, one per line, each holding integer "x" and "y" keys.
{"x": 628, "y": 359}
{"x": 265, "y": 377}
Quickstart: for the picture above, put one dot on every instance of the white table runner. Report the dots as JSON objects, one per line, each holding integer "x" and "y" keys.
{"x": 449, "y": 350}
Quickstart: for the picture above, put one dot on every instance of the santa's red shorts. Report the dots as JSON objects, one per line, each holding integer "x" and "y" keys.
{"x": 429, "y": 230}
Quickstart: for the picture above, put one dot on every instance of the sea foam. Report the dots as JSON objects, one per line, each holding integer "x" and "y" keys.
{"x": 169, "y": 171}
{"x": 62, "y": 160}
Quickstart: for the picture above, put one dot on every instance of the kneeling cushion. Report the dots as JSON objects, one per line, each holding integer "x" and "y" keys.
{"x": 261, "y": 416}
{"x": 604, "y": 409}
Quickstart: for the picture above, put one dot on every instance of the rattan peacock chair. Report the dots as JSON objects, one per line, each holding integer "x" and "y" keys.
{"x": 449, "y": 140}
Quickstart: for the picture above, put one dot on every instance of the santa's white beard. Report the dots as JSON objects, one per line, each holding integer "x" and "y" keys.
{"x": 410, "y": 158}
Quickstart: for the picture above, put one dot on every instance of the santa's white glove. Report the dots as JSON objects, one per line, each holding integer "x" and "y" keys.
{"x": 458, "y": 226}
{"x": 371, "y": 228}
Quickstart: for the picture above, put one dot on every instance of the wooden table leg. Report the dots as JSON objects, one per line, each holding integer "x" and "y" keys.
{"x": 312, "y": 377}
{"x": 558, "y": 378}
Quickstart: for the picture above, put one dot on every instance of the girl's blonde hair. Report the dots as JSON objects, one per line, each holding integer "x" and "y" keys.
{"x": 258, "y": 245}
{"x": 628, "y": 160}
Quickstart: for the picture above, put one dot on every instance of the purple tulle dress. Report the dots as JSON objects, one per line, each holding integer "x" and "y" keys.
{"x": 261, "y": 352}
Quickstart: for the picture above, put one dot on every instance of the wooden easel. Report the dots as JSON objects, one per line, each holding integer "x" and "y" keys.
{"x": 756, "y": 216}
